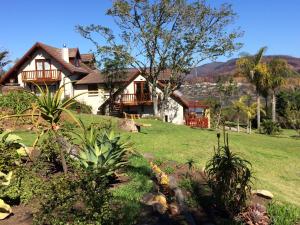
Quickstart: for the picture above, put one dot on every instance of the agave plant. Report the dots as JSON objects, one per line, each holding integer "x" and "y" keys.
{"x": 12, "y": 149}
{"x": 229, "y": 177}
{"x": 103, "y": 151}
{"x": 5, "y": 209}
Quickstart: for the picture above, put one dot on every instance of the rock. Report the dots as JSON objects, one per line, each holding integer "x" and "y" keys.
{"x": 160, "y": 208}
{"x": 173, "y": 182}
{"x": 263, "y": 193}
{"x": 158, "y": 202}
{"x": 128, "y": 125}
{"x": 147, "y": 199}
{"x": 174, "y": 209}
{"x": 160, "y": 199}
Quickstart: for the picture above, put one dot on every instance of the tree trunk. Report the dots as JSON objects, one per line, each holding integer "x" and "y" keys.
{"x": 258, "y": 110}
{"x": 247, "y": 126}
{"x": 273, "y": 107}
{"x": 266, "y": 106}
{"x": 64, "y": 145}
{"x": 238, "y": 123}
{"x": 155, "y": 101}
{"x": 250, "y": 126}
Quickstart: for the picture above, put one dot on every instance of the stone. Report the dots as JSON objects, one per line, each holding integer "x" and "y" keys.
{"x": 172, "y": 182}
{"x": 263, "y": 193}
{"x": 160, "y": 208}
{"x": 174, "y": 209}
{"x": 147, "y": 199}
{"x": 128, "y": 125}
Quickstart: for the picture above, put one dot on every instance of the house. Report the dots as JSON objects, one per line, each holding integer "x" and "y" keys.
{"x": 46, "y": 65}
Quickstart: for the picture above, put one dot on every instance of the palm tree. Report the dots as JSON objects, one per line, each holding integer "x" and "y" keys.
{"x": 253, "y": 68}
{"x": 278, "y": 69}
{"x": 238, "y": 106}
{"x": 3, "y": 59}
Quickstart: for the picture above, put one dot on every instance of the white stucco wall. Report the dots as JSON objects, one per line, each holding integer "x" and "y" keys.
{"x": 65, "y": 75}
{"x": 95, "y": 99}
{"x": 174, "y": 111}
{"x": 130, "y": 88}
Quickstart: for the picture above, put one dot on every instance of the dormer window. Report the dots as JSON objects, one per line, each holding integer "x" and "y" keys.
{"x": 76, "y": 62}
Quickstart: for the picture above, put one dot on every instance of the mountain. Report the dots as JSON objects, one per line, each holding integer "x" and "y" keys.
{"x": 216, "y": 69}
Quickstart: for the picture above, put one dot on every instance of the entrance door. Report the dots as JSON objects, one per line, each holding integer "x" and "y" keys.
{"x": 142, "y": 91}
{"x": 43, "y": 68}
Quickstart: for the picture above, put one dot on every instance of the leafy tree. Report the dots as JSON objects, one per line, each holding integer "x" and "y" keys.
{"x": 254, "y": 70}
{"x": 249, "y": 109}
{"x": 172, "y": 35}
{"x": 278, "y": 70}
{"x": 225, "y": 89}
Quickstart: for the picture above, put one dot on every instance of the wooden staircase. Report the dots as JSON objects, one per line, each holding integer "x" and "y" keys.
{"x": 117, "y": 110}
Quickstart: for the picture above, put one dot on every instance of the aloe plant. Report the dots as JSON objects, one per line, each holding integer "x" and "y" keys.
{"x": 229, "y": 177}
{"x": 5, "y": 209}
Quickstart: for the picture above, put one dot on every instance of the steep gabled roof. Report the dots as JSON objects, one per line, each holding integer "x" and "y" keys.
{"x": 96, "y": 77}
{"x": 88, "y": 57}
{"x": 55, "y": 53}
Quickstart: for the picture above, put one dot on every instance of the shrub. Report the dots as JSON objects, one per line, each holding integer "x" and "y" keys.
{"x": 24, "y": 186}
{"x": 84, "y": 108}
{"x": 80, "y": 200}
{"x": 270, "y": 128}
{"x": 283, "y": 214}
{"x": 16, "y": 102}
{"x": 229, "y": 177}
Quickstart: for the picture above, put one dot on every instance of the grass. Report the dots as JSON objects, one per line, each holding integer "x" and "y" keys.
{"x": 275, "y": 159}
{"x": 283, "y": 214}
{"x": 130, "y": 194}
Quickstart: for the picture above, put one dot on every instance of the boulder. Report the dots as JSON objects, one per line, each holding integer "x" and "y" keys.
{"x": 263, "y": 193}
{"x": 128, "y": 125}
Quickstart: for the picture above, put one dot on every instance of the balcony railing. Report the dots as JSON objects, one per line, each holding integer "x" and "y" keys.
{"x": 41, "y": 76}
{"x": 134, "y": 99}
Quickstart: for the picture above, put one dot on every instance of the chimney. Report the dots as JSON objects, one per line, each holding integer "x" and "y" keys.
{"x": 65, "y": 53}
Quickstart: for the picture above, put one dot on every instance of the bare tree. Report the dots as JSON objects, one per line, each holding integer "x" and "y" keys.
{"x": 166, "y": 34}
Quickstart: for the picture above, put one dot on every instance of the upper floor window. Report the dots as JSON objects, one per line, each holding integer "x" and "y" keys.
{"x": 76, "y": 62}
{"x": 43, "y": 64}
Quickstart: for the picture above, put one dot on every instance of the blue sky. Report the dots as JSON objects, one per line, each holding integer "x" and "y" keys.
{"x": 272, "y": 23}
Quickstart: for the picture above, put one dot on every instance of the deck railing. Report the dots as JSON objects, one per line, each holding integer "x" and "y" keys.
{"x": 135, "y": 99}
{"x": 201, "y": 122}
{"x": 41, "y": 75}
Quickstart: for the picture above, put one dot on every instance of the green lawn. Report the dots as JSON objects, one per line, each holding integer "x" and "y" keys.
{"x": 275, "y": 160}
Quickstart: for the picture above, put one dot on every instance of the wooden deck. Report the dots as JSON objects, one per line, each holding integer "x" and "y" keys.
{"x": 134, "y": 100}
{"x": 41, "y": 76}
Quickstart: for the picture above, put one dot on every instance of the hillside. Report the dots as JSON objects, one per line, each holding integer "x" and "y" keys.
{"x": 215, "y": 69}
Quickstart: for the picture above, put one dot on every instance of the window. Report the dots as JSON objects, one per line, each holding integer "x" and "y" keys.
{"x": 76, "y": 62}
{"x": 93, "y": 89}
{"x": 42, "y": 65}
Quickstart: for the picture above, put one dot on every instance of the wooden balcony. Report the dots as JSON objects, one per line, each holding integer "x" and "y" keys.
{"x": 41, "y": 76}
{"x": 133, "y": 99}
